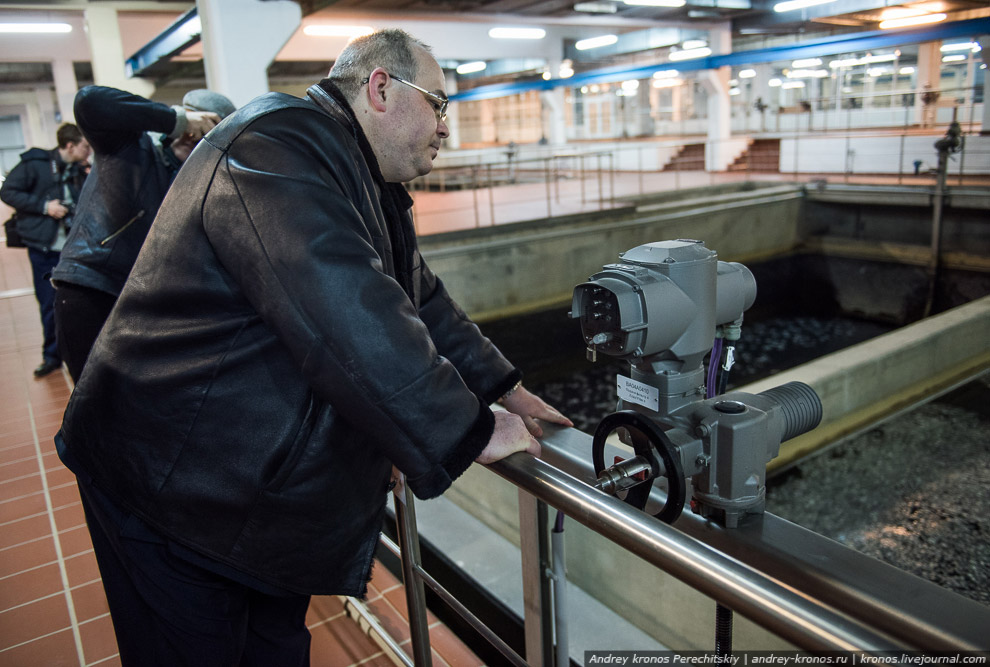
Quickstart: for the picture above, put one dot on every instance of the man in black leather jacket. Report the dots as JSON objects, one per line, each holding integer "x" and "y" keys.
{"x": 280, "y": 345}
{"x": 43, "y": 189}
{"x": 138, "y": 147}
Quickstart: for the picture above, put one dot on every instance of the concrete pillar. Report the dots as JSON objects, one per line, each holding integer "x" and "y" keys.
{"x": 453, "y": 142}
{"x": 554, "y": 125}
{"x": 929, "y": 80}
{"x": 552, "y": 103}
{"x": 761, "y": 93}
{"x": 716, "y": 85}
{"x": 43, "y": 123}
{"x": 65, "y": 88}
{"x": 644, "y": 115}
{"x": 241, "y": 39}
{"x": 107, "y": 52}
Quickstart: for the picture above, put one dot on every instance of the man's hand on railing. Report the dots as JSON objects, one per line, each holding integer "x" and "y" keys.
{"x": 510, "y": 436}
{"x": 531, "y": 407}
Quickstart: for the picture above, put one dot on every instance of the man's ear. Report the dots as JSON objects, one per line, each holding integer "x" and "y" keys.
{"x": 377, "y": 83}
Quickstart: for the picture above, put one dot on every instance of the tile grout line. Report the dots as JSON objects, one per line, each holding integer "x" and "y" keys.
{"x": 76, "y": 634}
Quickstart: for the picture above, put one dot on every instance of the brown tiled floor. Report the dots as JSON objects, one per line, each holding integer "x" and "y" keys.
{"x": 52, "y": 608}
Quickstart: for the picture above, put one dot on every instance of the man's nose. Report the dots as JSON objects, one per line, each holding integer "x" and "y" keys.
{"x": 442, "y": 130}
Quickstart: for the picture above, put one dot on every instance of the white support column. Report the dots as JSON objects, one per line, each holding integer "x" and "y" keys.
{"x": 762, "y": 92}
{"x": 453, "y": 113}
{"x": 241, "y": 38}
{"x": 553, "y": 125}
{"x": 929, "y": 80}
{"x": 554, "y": 128}
{"x": 107, "y": 51}
{"x": 65, "y": 88}
{"x": 644, "y": 119}
{"x": 716, "y": 85}
{"x": 45, "y": 119}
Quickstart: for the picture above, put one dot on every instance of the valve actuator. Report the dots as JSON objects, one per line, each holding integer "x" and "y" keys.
{"x": 661, "y": 309}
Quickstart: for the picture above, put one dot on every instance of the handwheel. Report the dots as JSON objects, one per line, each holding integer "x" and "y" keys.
{"x": 648, "y": 441}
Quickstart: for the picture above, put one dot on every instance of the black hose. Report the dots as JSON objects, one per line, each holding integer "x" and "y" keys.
{"x": 723, "y": 630}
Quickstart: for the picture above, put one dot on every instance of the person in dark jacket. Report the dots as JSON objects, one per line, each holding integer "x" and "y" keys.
{"x": 43, "y": 189}
{"x": 280, "y": 345}
{"x": 138, "y": 146}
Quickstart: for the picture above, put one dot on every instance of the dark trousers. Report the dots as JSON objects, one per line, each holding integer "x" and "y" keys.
{"x": 80, "y": 313}
{"x": 42, "y": 265}
{"x": 169, "y": 612}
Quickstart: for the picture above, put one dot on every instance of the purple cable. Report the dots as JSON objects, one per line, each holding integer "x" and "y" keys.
{"x": 713, "y": 361}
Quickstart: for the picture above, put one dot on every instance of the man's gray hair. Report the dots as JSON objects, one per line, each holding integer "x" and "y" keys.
{"x": 392, "y": 49}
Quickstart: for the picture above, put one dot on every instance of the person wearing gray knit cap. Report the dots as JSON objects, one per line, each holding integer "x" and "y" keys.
{"x": 138, "y": 147}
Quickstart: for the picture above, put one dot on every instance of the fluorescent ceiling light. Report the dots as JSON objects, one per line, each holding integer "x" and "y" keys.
{"x": 35, "y": 27}
{"x": 688, "y": 54}
{"x": 667, "y": 83}
{"x": 911, "y": 20}
{"x": 791, "y": 5}
{"x": 630, "y": 85}
{"x": 565, "y": 72}
{"x": 957, "y": 58}
{"x": 901, "y": 12}
{"x": 666, "y": 74}
{"x": 806, "y": 62}
{"x": 595, "y": 7}
{"x": 807, "y": 74}
{"x": 747, "y": 73}
{"x": 595, "y": 42}
{"x": 734, "y": 91}
{"x": 517, "y": 33}
{"x": 655, "y": 3}
{"x": 325, "y": 30}
{"x": 961, "y": 46}
{"x": 878, "y": 71}
{"x": 468, "y": 68}
{"x": 694, "y": 44}
{"x": 773, "y": 83}
{"x": 906, "y": 70}
{"x": 792, "y": 84}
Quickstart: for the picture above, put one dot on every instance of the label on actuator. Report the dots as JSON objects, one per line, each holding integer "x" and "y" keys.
{"x": 632, "y": 391}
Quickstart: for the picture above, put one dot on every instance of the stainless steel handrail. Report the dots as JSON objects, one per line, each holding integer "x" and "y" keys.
{"x": 794, "y": 617}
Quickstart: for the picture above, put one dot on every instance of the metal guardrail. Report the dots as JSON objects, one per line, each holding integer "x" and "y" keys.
{"x": 544, "y": 182}
{"x": 795, "y": 599}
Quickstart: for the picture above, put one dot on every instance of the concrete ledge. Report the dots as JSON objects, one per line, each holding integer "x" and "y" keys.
{"x": 879, "y": 378}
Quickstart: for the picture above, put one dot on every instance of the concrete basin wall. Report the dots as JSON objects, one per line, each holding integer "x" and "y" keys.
{"x": 530, "y": 265}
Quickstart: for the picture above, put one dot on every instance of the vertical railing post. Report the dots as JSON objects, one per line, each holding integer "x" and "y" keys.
{"x": 546, "y": 176}
{"x": 581, "y": 169}
{"x": 419, "y": 628}
{"x": 534, "y": 546}
{"x": 639, "y": 157}
{"x": 601, "y": 193}
{"x": 474, "y": 190}
{"x": 611, "y": 180}
{"x": 491, "y": 194}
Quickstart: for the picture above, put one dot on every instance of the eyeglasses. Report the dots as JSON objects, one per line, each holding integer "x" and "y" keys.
{"x": 438, "y": 103}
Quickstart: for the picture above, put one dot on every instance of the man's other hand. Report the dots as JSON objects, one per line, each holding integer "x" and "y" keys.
{"x": 198, "y": 123}
{"x": 531, "y": 407}
{"x": 55, "y": 209}
{"x": 510, "y": 436}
